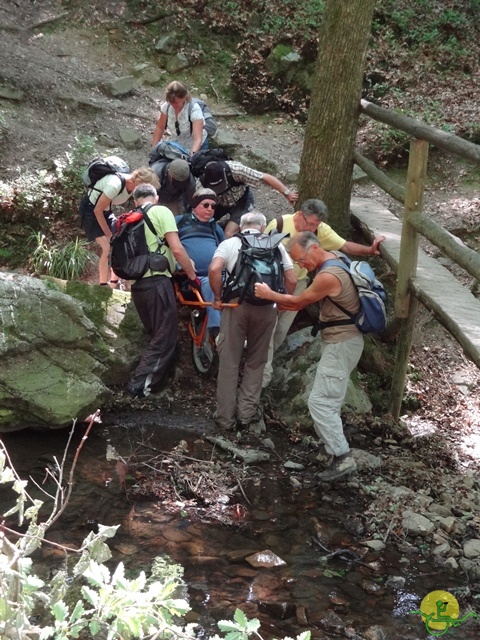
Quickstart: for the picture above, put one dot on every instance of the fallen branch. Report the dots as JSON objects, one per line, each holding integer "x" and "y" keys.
{"x": 158, "y": 16}
{"x": 42, "y": 23}
{"x": 347, "y": 555}
{"x": 215, "y": 91}
{"x": 248, "y": 456}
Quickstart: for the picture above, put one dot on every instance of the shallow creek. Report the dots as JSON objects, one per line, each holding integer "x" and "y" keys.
{"x": 334, "y": 599}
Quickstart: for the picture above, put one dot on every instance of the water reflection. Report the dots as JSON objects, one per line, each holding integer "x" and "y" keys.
{"x": 331, "y": 598}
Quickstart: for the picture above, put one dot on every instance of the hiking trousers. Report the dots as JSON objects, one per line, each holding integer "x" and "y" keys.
{"x": 328, "y": 392}
{"x": 154, "y": 299}
{"x": 255, "y": 325}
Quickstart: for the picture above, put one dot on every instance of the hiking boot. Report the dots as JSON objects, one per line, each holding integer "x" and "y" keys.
{"x": 340, "y": 467}
{"x": 243, "y": 423}
{"x": 323, "y": 458}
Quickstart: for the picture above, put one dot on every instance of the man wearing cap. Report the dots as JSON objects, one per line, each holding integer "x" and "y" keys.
{"x": 312, "y": 216}
{"x": 201, "y": 235}
{"x": 177, "y": 185}
{"x": 232, "y": 182}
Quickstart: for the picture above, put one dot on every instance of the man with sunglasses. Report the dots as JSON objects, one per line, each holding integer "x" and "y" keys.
{"x": 201, "y": 235}
{"x": 311, "y": 216}
{"x": 342, "y": 345}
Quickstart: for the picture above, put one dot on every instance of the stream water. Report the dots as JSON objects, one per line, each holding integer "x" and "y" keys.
{"x": 332, "y": 599}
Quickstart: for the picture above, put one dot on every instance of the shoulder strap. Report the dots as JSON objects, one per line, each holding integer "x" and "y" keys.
{"x": 228, "y": 173}
{"x": 145, "y": 209}
{"x": 184, "y": 220}
{"x": 279, "y": 220}
{"x": 343, "y": 263}
{"x": 216, "y": 232}
{"x": 190, "y": 107}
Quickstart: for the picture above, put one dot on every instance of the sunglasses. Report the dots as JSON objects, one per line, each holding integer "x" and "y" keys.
{"x": 177, "y": 128}
{"x": 208, "y": 205}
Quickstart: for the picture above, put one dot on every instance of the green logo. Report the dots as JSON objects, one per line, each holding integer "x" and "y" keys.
{"x": 440, "y": 611}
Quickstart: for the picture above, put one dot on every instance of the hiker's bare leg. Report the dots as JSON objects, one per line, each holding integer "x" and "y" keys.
{"x": 103, "y": 268}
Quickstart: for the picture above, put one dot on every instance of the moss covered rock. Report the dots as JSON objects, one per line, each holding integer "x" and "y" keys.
{"x": 59, "y": 354}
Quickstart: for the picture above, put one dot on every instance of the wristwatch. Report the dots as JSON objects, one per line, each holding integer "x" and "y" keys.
{"x": 287, "y": 192}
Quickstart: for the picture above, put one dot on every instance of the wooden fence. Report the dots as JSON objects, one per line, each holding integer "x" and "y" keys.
{"x": 419, "y": 280}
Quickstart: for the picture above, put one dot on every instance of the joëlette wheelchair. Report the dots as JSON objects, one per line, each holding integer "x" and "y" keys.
{"x": 204, "y": 352}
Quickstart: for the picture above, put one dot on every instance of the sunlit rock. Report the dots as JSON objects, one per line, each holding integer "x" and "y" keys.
{"x": 265, "y": 559}
{"x": 416, "y": 524}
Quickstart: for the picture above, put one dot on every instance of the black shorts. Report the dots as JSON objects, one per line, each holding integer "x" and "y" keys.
{"x": 88, "y": 220}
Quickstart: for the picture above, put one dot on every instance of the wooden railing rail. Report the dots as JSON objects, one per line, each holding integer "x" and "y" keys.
{"x": 414, "y": 223}
{"x": 441, "y": 139}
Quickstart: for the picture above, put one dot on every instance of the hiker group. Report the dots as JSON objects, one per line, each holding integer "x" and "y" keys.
{"x": 194, "y": 212}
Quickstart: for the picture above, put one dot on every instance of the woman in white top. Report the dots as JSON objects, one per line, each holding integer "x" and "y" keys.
{"x": 96, "y": 211}
{"x": 184, "y": 120}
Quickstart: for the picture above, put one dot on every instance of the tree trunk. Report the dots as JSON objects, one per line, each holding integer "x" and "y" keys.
{"x": 327, "y": 160}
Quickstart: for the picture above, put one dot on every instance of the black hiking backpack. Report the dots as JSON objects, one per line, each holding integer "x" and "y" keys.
{"x": 99, "y": 167}
{"x": 130, "y": 257}
{"x": 259, "y": 260}
{"x": 201, "y": 158}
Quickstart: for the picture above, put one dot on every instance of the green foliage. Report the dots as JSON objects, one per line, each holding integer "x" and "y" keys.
{"x": 67, "y": 262}
{"x": 428, "y": 27}
{"x": 241, "y": 628}
{"x": 70, "y": 168}
{"x": 291, "y": 17}
{"x": 46, "y": 194}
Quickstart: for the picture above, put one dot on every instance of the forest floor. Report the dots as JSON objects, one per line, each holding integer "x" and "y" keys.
{"x": 61, "y": 73}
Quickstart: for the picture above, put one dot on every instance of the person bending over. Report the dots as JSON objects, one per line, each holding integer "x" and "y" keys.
{"x": 96, "y": 212}
{"x": 342, "y": 345}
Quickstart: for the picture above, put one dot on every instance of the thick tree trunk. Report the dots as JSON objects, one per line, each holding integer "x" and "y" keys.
{"x": 327, "y": 159}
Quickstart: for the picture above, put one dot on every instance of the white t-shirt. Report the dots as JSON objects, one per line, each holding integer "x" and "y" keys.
{"x": 229, "y": 249}
{"x": 185, "y": 137}
{"x": 110, "y": 186}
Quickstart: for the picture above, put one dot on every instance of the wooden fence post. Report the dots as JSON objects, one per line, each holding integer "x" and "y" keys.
{"x": 405, "y": 307}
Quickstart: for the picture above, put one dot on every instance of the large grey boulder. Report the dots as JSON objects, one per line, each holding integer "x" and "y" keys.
{"x": 294, "y": 367}
{"x": 56, "y": 360}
